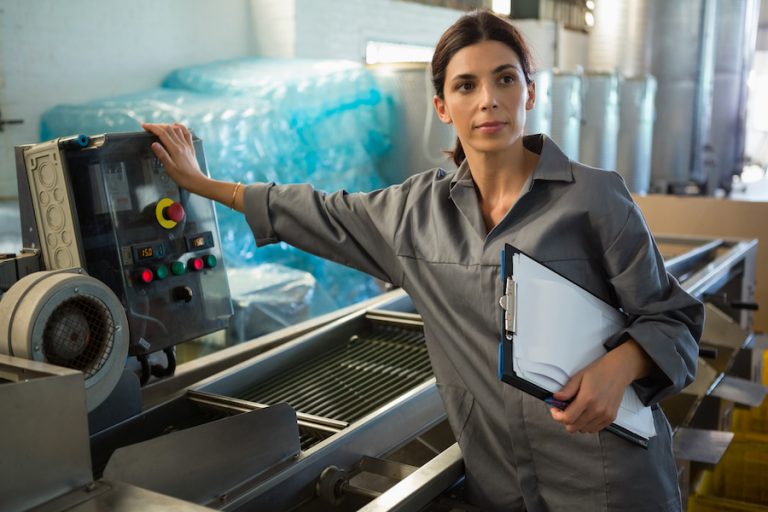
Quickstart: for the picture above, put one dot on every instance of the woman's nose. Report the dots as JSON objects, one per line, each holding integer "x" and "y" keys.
{"x": 488, "y": 99}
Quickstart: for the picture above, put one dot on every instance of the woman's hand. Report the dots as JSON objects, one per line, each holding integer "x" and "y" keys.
{"x": 177, "y": 154}
{"x": 596, "y": 391}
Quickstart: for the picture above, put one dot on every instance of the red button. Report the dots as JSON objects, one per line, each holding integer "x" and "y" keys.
{"x": 195, "y": 264}
{"x": 175, "y": 212}
{"x": 146, "y": 275}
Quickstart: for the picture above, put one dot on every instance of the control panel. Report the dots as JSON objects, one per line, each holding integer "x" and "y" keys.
{"x": 155, "y": 245}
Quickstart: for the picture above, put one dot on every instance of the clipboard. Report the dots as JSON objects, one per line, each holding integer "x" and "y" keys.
{"x": 550, "y": 349}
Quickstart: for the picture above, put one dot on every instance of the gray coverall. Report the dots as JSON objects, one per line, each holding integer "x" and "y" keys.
{"x": 428, "y": 236}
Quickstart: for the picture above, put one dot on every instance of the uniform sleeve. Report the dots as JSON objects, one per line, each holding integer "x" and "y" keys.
{"x": 358, "y": 230}
{"x": 663, "y": 318}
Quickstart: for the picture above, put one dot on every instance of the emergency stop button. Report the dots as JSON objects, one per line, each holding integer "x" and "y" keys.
{"x": 169, "y": 212}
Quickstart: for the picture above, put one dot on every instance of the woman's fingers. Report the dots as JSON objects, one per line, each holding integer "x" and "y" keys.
{"x": 162, "y": 154}
{"x": 187, "y": 134}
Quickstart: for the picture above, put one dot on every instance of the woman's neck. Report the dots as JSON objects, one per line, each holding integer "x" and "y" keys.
{"x": 499, "y": 178}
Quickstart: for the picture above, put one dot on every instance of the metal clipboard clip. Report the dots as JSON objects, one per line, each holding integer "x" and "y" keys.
{"x": 508, "y": 303}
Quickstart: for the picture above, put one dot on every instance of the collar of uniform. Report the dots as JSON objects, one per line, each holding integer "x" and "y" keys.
{"x": 553, "y": 164}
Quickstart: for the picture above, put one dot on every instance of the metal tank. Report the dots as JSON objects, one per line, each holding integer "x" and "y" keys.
{"x": 619, "y": 38}
{"x": 539, "y": 118}
{"x": 600, "y": 124}
{"x": 421, "y": 139}
{"x": 736, "y": 32}
{"x": 566, "y": 112}
{"x": 637, "y": 114}
{"x": 682, "y": 62}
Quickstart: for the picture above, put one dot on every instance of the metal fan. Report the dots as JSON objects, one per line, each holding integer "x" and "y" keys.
{"x": 67, "y": 318}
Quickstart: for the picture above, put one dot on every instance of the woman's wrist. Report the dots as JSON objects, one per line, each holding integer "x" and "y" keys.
{"x": 635, "y": 363}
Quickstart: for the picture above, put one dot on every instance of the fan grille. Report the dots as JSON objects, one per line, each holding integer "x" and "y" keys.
{"x": 80, "y": 334}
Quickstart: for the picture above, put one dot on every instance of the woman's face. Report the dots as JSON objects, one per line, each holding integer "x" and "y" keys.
{"x": 485, "y": 97}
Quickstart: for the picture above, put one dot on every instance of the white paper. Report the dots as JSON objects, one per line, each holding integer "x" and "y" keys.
{"x": 560, "y": 330}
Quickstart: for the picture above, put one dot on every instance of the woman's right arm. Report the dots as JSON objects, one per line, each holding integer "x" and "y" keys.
{"x": 177, "y": 154}
{"x": 356, "y": 230}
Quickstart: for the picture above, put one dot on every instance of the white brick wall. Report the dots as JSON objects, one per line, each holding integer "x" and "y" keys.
{"x": 342, "y": 28}
{"x": 54, "y": 52}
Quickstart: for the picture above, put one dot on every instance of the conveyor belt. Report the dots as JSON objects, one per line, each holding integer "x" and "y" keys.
{"x": 352, "y": 380}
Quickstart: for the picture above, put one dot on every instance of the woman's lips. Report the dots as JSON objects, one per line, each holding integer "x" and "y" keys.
{"x": 491, "y": 127}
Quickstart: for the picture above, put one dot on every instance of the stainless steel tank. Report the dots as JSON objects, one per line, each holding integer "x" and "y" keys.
{"x": 539, "y": 118}
{"x": 637, "y": 114}
{"x": 566, "y": 112}
{"x": 736, "y": 32}
{"x": 420, "y": 139}
{"x": 682, "y": 62}
{"x": 600, "y": 120}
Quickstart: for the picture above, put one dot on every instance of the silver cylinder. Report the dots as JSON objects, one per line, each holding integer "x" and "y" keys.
{"x": 566, "y": 112}
{"x": 682, "y": 63}
{"x": 600, "y": 124}
{"x": 637, "y": 113}
{"x": 539, "y": 118}
{"x": 736, "y": 28}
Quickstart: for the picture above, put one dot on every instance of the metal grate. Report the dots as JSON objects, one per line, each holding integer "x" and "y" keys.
{"x": 79, "y": 335}
{"x": 354, "y": 379}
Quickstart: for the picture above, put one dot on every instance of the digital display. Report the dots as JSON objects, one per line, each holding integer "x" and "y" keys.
{"x": 149, "y": 251}
{"x": 200, "y": 241}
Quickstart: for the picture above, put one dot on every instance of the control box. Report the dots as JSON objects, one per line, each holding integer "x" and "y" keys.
{"x": 106, "y": 204}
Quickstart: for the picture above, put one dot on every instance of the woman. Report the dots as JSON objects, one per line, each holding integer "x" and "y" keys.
{"x": 439, "y": 235}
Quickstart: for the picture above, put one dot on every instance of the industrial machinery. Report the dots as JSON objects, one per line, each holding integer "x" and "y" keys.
{"x": 117, "y": 260}
{"x": 344, "y": 417}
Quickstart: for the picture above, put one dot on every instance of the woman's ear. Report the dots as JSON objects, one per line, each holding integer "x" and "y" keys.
{"x": 531, "y": 95}
{"x": 441, "y": 109}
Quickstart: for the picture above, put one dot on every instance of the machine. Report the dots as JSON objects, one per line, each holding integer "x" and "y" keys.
{"x": 117, "y": 260}
{"x": 345, "y": 416}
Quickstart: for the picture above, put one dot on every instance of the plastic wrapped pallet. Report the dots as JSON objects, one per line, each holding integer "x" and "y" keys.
{"x": 319, "y": 122}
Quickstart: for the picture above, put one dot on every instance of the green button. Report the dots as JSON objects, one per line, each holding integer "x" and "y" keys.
{"x": 210, "y": 261}
{"x": 161, "y": 272}
{"x": 178, "y": 268}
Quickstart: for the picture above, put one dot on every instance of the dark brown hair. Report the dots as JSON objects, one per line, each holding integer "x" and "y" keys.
{"x": 472, "y": 28}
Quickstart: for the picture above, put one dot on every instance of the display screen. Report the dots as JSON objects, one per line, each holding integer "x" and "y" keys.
{"x": 200, "y": 241}
{"x": 149, "y": 251}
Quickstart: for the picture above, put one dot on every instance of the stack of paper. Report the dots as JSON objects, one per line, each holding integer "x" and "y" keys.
{"x": 560, "y": 329}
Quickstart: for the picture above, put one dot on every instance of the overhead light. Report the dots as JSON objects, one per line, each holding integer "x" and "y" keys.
{"x": 502, "y": 7}
{"x": 377, "y": 52}
{"x": 591, "y": 5}
{"x": 589, "y": 19}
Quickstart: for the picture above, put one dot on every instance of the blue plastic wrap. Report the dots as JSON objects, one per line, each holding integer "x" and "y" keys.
{"x": 318, "y": 122}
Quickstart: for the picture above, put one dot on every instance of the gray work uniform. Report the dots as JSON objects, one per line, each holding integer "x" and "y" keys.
{"x": 428, "y": 236}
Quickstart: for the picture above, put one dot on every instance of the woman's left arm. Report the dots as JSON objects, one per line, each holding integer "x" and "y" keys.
{"x": 657, "y": 351}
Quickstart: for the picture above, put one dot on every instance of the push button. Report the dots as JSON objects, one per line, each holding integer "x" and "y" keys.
{"x": 169, "y": 213}
{"x": 178, "y": 268}
{"x": 195, "y": 264}
{"x": 210, "y": 261}
{"x": 145, "y": 275}
{"x": 161, "y": 272}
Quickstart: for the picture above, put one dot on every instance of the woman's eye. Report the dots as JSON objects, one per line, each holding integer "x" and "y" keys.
{"x": 465, "y": 87}
{"x": 507, "y": 79}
